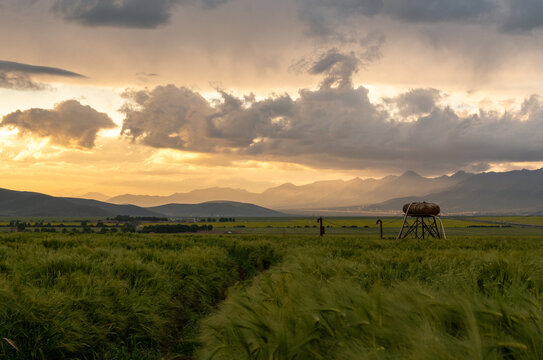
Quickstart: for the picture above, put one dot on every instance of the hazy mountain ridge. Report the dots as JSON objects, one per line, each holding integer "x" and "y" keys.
{"x": 330, "y": 193}
{"x": 23, "y": 203}
{"x": 192, "y": 197}
{"x": 513, "y": 192}
{"x": 216, "y": 209}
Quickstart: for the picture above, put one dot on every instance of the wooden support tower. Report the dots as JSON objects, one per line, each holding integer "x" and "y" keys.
{"x": 420, "y": 227}
{"x": 422, "y": 223}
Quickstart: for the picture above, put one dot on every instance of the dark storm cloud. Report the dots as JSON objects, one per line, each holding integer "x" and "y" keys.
{"x": 335, "y": 126}
{"x": 122, "y": 13}
{"x": 11, "y": 66}
{"x": 522, "y": 16}
{"x": 17, "y": 76}
{"x": 337, "y": 67}
{"x": 68, "y": 124}
{"x": 438, "y": 10}
{"x": 323, "y": 17}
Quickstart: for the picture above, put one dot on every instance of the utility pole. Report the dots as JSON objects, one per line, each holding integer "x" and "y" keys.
{"x": 321, "y": 227}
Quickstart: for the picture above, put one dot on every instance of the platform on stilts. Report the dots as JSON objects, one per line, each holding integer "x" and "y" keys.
{"x": 422, "y": 223}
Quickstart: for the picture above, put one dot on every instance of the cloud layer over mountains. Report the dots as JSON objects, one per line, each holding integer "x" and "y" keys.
{"x": 336, "y": 126}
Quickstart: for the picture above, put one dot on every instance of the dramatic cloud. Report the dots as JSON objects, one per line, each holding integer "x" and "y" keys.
{"x": 323, "y": 17}
{"x": 17, "y": 76}
{"x": 438, "y": 10}
{"x": 11, "y": 66}
{"x": 521, "y": 16}
{"x": 123, "y": 13}
{"x": 336, "y": 126}
{"x": 68, "y": 124}
{"x": 511, "y": 16}
{"x": 168, "y": 117}
{"x": 338, "y": 68}
{"x": 416, "y": 102}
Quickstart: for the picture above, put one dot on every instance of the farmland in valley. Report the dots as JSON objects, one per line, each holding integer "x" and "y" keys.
{"x": 272, "y": 289}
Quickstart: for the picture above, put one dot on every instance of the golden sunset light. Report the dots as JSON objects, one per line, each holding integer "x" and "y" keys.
{"x": 179, "y": 96}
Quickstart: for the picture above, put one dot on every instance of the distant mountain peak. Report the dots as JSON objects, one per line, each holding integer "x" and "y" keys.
{"x": 410, "y": 174}
{"x": 287, "y": 185}
{"x": 356, "y": 180}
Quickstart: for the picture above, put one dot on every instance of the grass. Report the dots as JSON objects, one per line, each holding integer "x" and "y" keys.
{"x": 348, "y": 298}
{"x": 108, "y": 297}
{"x": 286, "y": 295}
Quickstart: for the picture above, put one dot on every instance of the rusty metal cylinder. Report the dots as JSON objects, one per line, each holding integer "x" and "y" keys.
{"x": 422, "y": 209}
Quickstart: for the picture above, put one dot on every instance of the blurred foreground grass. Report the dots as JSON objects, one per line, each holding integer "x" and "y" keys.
{"x": 131, "y": 296}
{"x": 115, "y": 296}
{"x": 347, "y": 298}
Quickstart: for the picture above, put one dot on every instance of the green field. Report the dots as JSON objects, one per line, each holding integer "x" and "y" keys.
{"x": 365, "y": 226}
{"x": 272, "y": 293}
{"x": 115, "y": 296}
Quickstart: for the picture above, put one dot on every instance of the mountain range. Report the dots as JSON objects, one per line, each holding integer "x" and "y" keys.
{"x": 512, "y": 192}
{"x": 319, "y": 194}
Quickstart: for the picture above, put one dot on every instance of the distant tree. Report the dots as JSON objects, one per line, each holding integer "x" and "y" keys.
{"x": 138, "y": 218}
{"x": 175, "y": 228}
{"x": 129, "y": 227}
{"x": 20, "y": 226}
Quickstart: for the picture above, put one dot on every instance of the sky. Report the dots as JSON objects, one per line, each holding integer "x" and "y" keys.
{"x": 164, "y": 96}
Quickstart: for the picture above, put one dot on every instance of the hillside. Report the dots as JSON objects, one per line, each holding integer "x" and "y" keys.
{"x": 191, "y": 197}
{"x": 24, "y": 203}
{"x": 216, "y": 209}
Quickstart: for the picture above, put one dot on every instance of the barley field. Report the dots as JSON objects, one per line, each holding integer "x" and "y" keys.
{"x": 475, "y": 295}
